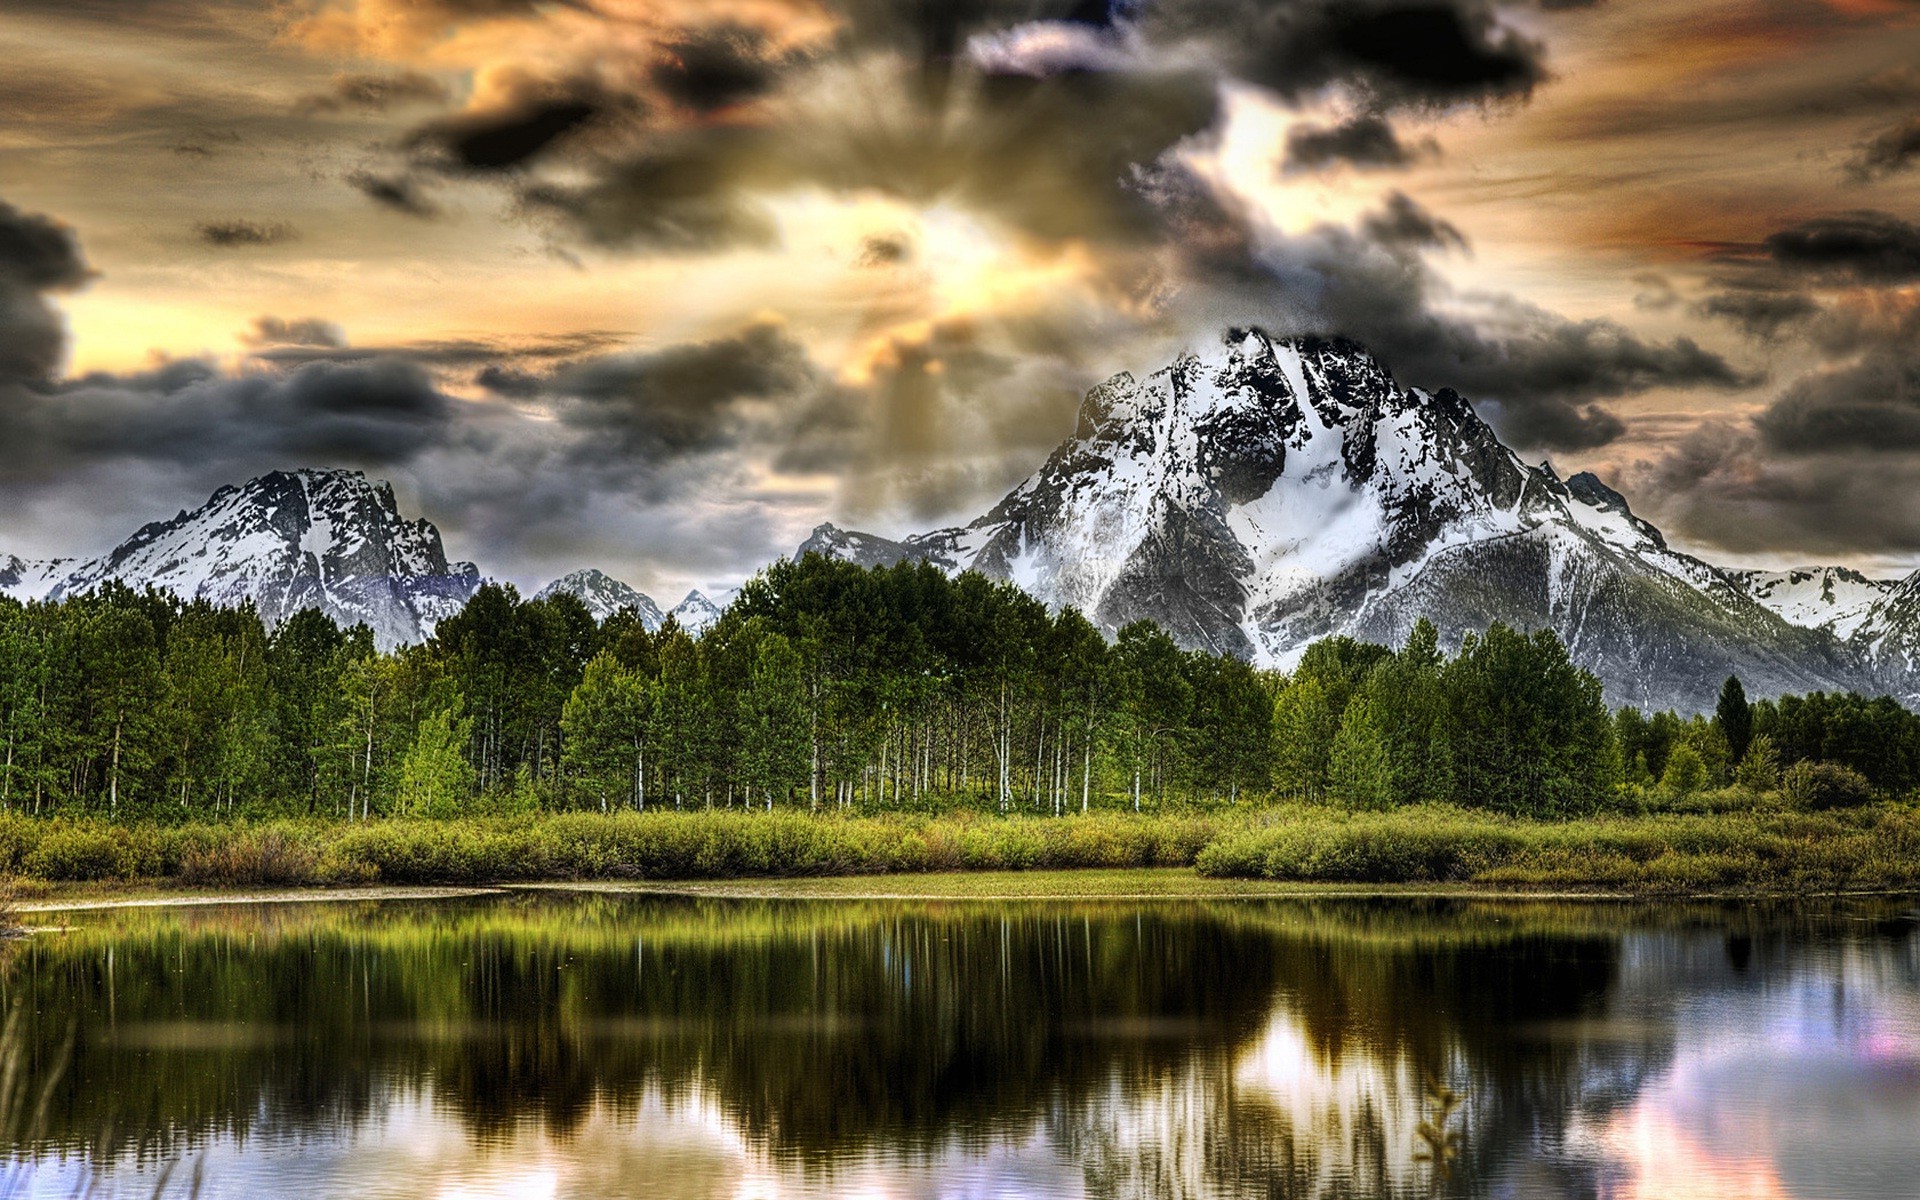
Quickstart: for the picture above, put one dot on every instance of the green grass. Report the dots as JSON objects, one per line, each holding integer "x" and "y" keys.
{"x": 1874, "y": 848}
{"x": 1250, "y": 850}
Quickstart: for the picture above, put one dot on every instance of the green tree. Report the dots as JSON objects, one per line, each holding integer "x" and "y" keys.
{"x": 1734, "y": 717}
{"x": 774, "y": 721}
{"x": 1304, "y": 726}
{"x": 604, "y": 722}
{"x": 435, "y": 770}
{"x": 1359, "y": 768}
{"x": 1686, "y": 773}
{"x": 1759, "y": 770}
{"x": 1531, "y": 733}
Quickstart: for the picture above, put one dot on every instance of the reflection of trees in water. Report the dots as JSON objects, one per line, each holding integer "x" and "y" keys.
{"x": 1232, "y": 1049}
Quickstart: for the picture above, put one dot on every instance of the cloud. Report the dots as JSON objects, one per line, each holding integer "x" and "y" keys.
{"x": 1539, "y": 377}
{"x": 1403, "y": 222}
{"x": 239, "y": 233}
{"x": 884, "y": 250}
{"x": 444, "y": 353}
{"x": 1724, "y": 486}
{"x": 537, "y": 118}
{"x": 680, "y": 399}
{"x": 38, "y": 255}
{"x": 1760, "y": 314}
{"x": 189, "y": 416}
{"x": 681, "y": 195}
{"x": 1421, "y": 55}
{"x": 378, "y": 93}
{"x": 1871, "y": 406}
{"x": 716, "y": 66}
{"x": 1364, "y": 141}
{"x": 306, "y": 331}
{"x": 1863, "y": 246}
{"x": 1887, "y": 153}
{"x": 400, "y": 193}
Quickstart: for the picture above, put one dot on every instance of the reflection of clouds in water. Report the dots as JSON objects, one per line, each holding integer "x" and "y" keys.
{"x": 1352, "y": 1112}
{"x": 682, "y": 1147}
{"x": 1809, "y": 1088}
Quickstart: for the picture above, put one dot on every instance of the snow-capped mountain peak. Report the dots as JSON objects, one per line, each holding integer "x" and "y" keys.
{"x": 696, "y": 612}
{"x": 1262, "y": 492}
{"x": 604, "y": 596}
{"x": 327, "y": 539}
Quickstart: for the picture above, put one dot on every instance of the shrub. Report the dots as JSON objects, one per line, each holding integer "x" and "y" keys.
{"x": 94, "y": 851}
{"x": 274, "y": 856}
{"x": 1823, "y": 785}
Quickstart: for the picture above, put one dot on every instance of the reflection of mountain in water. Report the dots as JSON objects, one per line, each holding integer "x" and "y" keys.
{"x": 1173, "y": 1050}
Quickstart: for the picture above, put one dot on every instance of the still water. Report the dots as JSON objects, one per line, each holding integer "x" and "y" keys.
{"x": 534, "y": 1046}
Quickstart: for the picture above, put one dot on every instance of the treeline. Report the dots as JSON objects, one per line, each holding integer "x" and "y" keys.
{"x": 830, "y": 686}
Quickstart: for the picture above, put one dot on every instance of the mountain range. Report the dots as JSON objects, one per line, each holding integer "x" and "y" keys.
{"x": 1249, "y": 498}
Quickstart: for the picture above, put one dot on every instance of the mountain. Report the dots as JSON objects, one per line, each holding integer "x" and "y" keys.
{"x": 289, "y": 540}
{"x": 1837, "y": 599}
{"x": 696, "y": 612}
{"x": 604, "y": 596}
{"x": 1267, "y": 492}
{"x": 31, "y": 579}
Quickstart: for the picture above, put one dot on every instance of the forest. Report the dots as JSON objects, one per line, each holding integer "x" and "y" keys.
{"x": 826, "y": 686}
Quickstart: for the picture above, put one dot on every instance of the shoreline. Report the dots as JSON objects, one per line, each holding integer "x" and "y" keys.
{"x": 1119, "y": 884}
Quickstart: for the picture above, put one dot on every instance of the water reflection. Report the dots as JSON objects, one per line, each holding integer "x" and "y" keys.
{"x": 576, "y": 1046}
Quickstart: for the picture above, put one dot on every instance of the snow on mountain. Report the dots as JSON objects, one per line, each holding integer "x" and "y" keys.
{"x": 31, "y": 579}
{"x": 1836, "y": 599}
{"x": 605, "y": 596}
{"x": 1266, "y": 493}
{"x": 696, "y": 612}
{"x": 290, "y": 540}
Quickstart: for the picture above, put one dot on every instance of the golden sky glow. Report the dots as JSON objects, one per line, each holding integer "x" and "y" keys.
{"x": 961, "y": 237}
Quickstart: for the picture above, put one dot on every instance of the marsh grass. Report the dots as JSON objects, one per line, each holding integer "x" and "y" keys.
{"x": 1716, "y": 847}
{"x": 1873, "y": 848}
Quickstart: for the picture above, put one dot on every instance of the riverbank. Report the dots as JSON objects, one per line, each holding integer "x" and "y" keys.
{"x": 1244, "y": 850}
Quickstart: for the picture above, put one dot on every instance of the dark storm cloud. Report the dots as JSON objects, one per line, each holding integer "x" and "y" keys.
{"x": 680, "y": 399}
{"x": 443, "y": 353}
{"x": 539, "y": 118}
{"x": 1538, "y": 376}
{"x": 377, "y": 93}
{"x": 190, "y": 415}
{"x": 38, "y": 255}
{"x": 716, "y": 66}
{"x": 1888, "y": 153}
{"x": 1871, "y": 407}
{"x": 1394, "y": 54}
{"x": 305, "y": 331}
{"x": 239, "y": 233}
{"x": 1365, "y": 141}
{"x": 1404, "y": 222}
{"x": 884, "y": 250}
{"x": 401, "y": 193}
{"x": 1724, "y": 486}
{"x": 1760, "y": 314}
{"x": 1864, "y": 246}
{"x": 683, "y": 194}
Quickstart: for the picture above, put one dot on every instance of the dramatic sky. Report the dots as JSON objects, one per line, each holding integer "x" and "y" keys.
{"x": 656, "y": 285}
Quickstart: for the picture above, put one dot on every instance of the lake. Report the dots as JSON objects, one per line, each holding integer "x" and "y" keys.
{"x": 537, "y": 1045}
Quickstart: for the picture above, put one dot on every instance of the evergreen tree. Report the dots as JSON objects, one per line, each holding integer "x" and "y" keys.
{"x": 1734, "y": 716}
